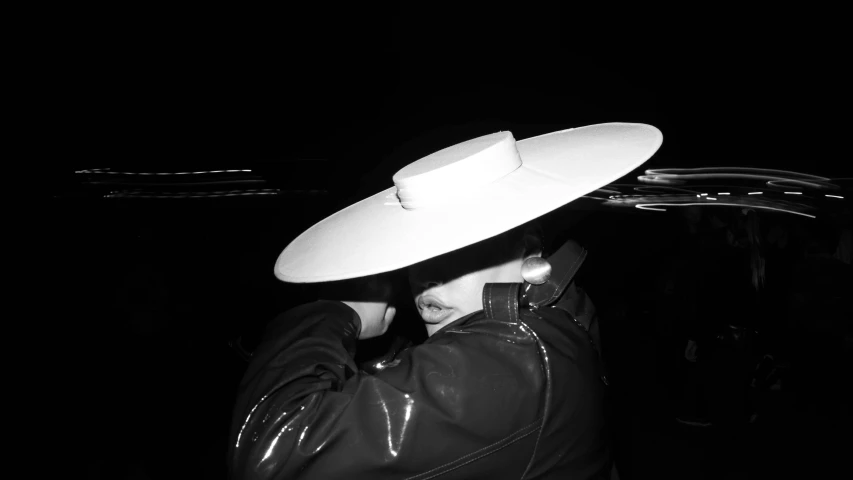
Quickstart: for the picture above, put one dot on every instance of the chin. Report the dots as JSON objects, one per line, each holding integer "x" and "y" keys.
{"x": 433, "y": 327}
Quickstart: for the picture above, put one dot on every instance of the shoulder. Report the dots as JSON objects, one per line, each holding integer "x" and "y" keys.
{"x": 482, "y": 374}
{"x": 478, "y": 347}
{"x": 566, "y": 338}
{"x": 480, "y": 343}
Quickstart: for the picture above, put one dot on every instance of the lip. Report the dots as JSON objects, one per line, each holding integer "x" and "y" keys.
{"x": 432, "y": 310}
{"x": 424, "y": 301}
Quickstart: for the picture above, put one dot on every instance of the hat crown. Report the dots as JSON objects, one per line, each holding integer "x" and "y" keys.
{"x": 455, "y": 172}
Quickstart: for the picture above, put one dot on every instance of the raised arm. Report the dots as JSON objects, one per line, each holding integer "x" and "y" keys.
{"x": 304, "y": 411}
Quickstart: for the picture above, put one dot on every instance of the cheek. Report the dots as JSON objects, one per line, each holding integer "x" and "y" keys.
{"x": 468, "y": 292}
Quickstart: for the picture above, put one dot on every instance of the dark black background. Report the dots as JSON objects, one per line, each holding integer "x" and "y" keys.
{"x": 356, "y": 85}
{"x": 359, "y": 92}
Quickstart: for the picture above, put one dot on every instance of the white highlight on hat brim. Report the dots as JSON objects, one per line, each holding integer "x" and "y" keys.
{"x": 377, "y": 235}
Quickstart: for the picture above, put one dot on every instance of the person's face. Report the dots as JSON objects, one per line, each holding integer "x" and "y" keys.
{"x": 450, "y": 286}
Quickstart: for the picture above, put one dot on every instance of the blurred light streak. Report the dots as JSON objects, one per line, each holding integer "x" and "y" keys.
{"x": 645, "y": 206}
{"x": 188, "y": 196}
{"x": 200, "y": 194}
{"x": 662, "y": 189}
{"x": 181, "y": 184}
{"x": 110, "y": 172}
{"x": 755, "y": 193}
{"x": 196, "y": 192}
{"x": 793, "y": 193}
{"x": 723, "y": 193}
{"x": 835, "y": 196}
{"x": 677, "y": 176}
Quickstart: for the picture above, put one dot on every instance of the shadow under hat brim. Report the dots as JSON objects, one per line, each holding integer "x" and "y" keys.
{"x": 378, "y": 235}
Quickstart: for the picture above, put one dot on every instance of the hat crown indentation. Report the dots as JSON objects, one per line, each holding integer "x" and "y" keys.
{"x": 456, "y": 172}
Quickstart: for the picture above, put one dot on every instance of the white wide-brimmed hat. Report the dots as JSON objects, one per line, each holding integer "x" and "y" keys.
{"x": 463, "y": 194}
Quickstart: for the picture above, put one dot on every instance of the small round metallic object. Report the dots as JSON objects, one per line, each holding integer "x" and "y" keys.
{"x": 536, "y": 270}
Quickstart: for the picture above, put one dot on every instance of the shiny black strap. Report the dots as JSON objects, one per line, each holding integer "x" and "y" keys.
{"x": 565, "y": 263}
{"x": 500, "y": 301}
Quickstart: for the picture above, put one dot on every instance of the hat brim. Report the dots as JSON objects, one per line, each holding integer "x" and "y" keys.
{"x": 377, "y": 235}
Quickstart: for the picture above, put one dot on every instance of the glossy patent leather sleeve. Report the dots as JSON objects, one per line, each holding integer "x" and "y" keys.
{"x": 304, "y": 411}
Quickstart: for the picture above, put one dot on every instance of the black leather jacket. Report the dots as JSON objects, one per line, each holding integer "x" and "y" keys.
{"x": 513, "y": 391}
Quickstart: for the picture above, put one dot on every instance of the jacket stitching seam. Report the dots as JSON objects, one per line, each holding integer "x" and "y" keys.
{"x": 501, "y": 447}
{"x": 514, "y": 305}
{"x": 547, "y": 403}
{"x": 509, "y": 304}
{"x": 487, "y": 450}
